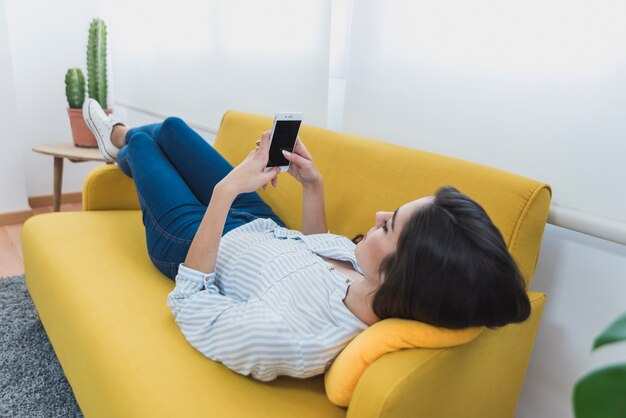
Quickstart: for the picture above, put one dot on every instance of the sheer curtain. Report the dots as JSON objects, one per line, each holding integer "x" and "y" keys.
{"x": 534, "y": 87}
{"x": 199, "y": 59}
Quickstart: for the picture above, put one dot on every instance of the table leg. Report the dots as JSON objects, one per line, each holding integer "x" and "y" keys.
{"x": 58, "y": 181}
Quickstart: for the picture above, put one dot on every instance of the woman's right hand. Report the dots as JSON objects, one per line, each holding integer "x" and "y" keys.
{"x": 302, "y": 167}
{"x": 250, "y": 174}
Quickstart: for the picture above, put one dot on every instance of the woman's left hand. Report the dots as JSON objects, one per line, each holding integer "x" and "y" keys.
{"x": 249, "y": 175}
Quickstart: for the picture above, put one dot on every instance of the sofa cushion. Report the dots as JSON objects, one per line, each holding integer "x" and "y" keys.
{"x": 381, "y": 338}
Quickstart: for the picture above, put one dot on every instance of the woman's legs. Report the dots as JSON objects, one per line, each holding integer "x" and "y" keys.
{"x": 171, "y": 212}
{"x": 199, "y": 164}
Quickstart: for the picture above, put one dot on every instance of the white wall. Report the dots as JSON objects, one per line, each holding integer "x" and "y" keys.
{"x": 535, "y": 87}
{"x": 46, "y": 39}
{"x": 201, "y": 59}
{"x": 12, "y": 185}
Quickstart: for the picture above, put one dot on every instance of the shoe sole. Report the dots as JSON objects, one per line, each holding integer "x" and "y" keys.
{"x": 96, "y": 133}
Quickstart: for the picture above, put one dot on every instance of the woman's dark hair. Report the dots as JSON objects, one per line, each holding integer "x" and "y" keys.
{"x": 451, "y": 269}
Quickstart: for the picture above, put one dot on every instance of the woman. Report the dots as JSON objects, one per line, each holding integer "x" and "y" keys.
{"x": 267, "y": 301}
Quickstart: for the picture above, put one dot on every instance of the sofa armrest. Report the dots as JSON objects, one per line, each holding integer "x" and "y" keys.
{"x": 107, "y": 188}
{"x": 482, "y": 378}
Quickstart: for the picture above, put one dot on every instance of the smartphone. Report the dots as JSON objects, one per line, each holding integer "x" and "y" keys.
{"x": 283, "y": 137}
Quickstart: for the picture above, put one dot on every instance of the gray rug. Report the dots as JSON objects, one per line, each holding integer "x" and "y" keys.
{"x": 32, "y": 383}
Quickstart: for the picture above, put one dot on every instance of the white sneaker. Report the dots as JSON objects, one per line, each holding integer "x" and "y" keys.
{"x": 101, "y": 125}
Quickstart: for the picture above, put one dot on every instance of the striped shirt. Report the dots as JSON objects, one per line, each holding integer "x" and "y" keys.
{"x": 272, "y": 306}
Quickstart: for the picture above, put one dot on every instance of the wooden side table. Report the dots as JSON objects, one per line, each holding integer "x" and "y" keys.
{"x": 61, "y": 150}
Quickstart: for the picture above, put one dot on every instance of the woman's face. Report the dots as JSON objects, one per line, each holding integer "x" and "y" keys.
{"x": 378, "y": 243}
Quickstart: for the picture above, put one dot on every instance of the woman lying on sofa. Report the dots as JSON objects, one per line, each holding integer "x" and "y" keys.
{"x": 267, "y": 301}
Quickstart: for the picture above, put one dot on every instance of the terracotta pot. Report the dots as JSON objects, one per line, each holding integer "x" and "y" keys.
{"x": 80, "y": 131}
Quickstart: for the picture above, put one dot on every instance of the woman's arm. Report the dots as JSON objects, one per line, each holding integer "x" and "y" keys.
{"x": 203, "y": 251}
{"x": 247, "y": 177}
{"x": 313, "y": 211}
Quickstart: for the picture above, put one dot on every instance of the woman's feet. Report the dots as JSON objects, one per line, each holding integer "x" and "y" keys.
{"x": 102, "y": 126}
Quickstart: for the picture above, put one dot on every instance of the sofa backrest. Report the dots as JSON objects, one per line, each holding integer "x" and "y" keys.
{"x": 363, "y": 176}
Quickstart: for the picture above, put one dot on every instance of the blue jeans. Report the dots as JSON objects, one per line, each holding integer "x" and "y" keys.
{"x": 175, "y": 171}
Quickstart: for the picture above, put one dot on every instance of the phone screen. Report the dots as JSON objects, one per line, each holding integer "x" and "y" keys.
{"x": 284, "y": 138}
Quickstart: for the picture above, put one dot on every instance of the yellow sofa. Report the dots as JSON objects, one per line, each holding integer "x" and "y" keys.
{"x": 103, "y": 304}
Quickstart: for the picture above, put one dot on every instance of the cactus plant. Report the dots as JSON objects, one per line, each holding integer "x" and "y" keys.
{"x": 96, "y": 62}
{"x": 75, "y": 88}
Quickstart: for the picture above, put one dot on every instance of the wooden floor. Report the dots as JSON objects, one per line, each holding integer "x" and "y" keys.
{"x": 11, "y": 260}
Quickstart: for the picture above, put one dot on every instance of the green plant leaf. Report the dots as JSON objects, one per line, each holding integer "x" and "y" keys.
{"x": 601, "y": 393}
{"x": 614, "y": 333}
